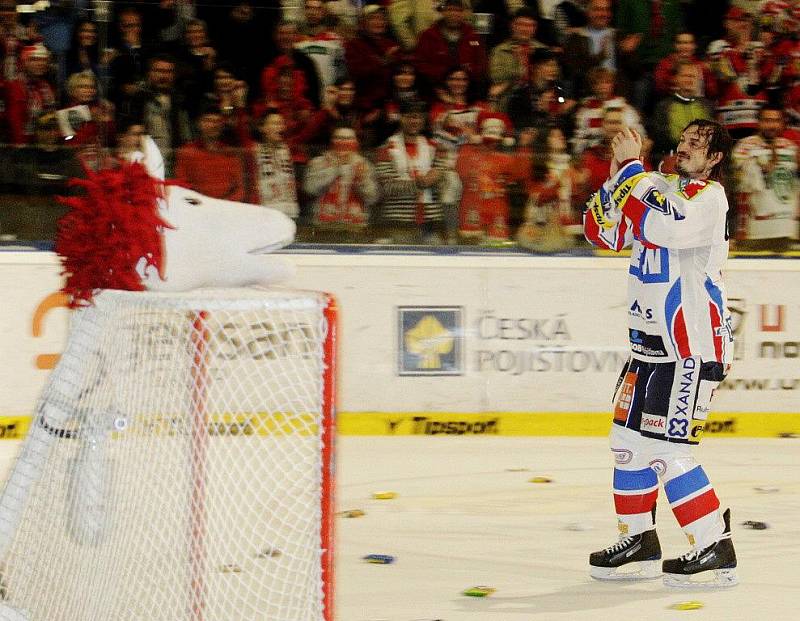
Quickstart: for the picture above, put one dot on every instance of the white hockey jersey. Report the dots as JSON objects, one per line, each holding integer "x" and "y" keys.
{"x": 677, "y": 229}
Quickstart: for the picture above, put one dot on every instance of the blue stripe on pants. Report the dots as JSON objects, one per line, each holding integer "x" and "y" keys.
{"x": 634, "y": 479}
{"x": 686, "y": 484}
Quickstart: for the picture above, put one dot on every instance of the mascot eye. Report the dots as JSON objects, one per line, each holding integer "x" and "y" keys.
{"x": 192, "y": 201}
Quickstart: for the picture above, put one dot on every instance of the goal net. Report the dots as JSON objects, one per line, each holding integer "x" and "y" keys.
{"x": 179, "y": 464}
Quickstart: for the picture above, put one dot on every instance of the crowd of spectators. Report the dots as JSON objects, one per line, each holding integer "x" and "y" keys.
{"x": 400, "y": 121}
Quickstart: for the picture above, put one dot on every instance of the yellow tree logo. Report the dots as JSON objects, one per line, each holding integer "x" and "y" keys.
{"x": 429, "y": 340}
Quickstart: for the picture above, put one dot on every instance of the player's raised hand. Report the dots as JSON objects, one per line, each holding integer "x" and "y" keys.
{"x": 626, "y": 145}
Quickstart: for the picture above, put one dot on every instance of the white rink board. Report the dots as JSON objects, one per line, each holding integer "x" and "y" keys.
{"x": 528, "y": 334}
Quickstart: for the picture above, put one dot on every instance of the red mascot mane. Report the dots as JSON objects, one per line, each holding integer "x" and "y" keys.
{"x": 111, "y": 226}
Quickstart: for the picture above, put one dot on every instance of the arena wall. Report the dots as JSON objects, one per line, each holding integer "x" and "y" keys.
{"x": 467, "y": 343}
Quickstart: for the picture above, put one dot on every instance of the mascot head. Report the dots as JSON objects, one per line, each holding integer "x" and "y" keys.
{"x": 128, "y": 229}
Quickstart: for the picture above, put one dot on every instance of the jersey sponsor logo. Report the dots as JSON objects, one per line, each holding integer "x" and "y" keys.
{"x": 653, "y": 424}
{"x": 637, "y": 311}
{"x": 650, "y": 265}
{"x": 645, "y": 344}
{"x": 677, "y": 428}
{"x": 683, "y": 398}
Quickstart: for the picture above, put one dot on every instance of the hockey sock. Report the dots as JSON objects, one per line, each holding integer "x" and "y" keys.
{"x": 695, "y": 506}
{"x": 635, "y": 493}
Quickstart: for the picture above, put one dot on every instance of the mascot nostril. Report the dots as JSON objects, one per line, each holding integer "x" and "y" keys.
{"x": 131, "y": 230}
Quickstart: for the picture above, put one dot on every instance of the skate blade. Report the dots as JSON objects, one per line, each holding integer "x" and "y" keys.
{"x": 646, "y": 570}
{"x": 723, "y": 579}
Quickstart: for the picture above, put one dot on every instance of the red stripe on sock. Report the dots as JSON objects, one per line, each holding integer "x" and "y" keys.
{"x": 629, "y": 504}
{"x": 696, "y": 508}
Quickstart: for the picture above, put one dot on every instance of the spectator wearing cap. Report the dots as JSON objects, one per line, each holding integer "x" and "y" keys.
{"x": 541, "y": 100}
{"x": 411, "y": 173}
{"x": 591, "y": 46}
{"x": 588, "y": 130}
{"x": 370, "y": 56}
{"x": 30, "y": 95}
{"x": 684, "y": 48}
{"x": 342, "y": 185}
{"x": 486, "y": 171}
{"x": 742, "y": 69}
{"x": 450, "y": 42}
{"x": 646, "y": 30}
{"x": 410, "y": 18}
{"x": 509, "y": 61}
{"x": 209, "y": 164}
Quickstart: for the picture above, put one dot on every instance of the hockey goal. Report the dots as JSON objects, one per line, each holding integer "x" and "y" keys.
{"x": 179, "y": 464}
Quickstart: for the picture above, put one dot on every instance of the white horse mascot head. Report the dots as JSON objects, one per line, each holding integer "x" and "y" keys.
{"x": 131, "y": 230}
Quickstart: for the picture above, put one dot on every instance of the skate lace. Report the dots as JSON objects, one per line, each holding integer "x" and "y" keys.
{"x": 620, "y": 545}
{"x": 694, "y": 553}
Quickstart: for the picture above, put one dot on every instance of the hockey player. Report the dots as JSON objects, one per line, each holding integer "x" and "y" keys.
{"x": 681, "y": 345}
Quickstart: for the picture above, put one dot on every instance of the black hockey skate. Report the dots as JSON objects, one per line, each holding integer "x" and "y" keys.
{"x": 643, "y": 550}
{"x": 719, "y": 558}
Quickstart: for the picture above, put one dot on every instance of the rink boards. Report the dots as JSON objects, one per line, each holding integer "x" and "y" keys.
{"x": 468, "y": 344}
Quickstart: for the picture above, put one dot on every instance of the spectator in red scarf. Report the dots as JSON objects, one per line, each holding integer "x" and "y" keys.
{"x": 30, "y": 95}
{"x": 342, "y": 185}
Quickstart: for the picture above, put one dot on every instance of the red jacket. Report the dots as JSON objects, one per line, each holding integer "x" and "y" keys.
{"x": 368, "y": 62}
{"x": 25, "y": 102}
{"x": 434, "y": 58}
{"x": 218, "y": 173}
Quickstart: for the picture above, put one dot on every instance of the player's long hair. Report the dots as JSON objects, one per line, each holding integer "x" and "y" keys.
{"x": 719, "y": 141}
